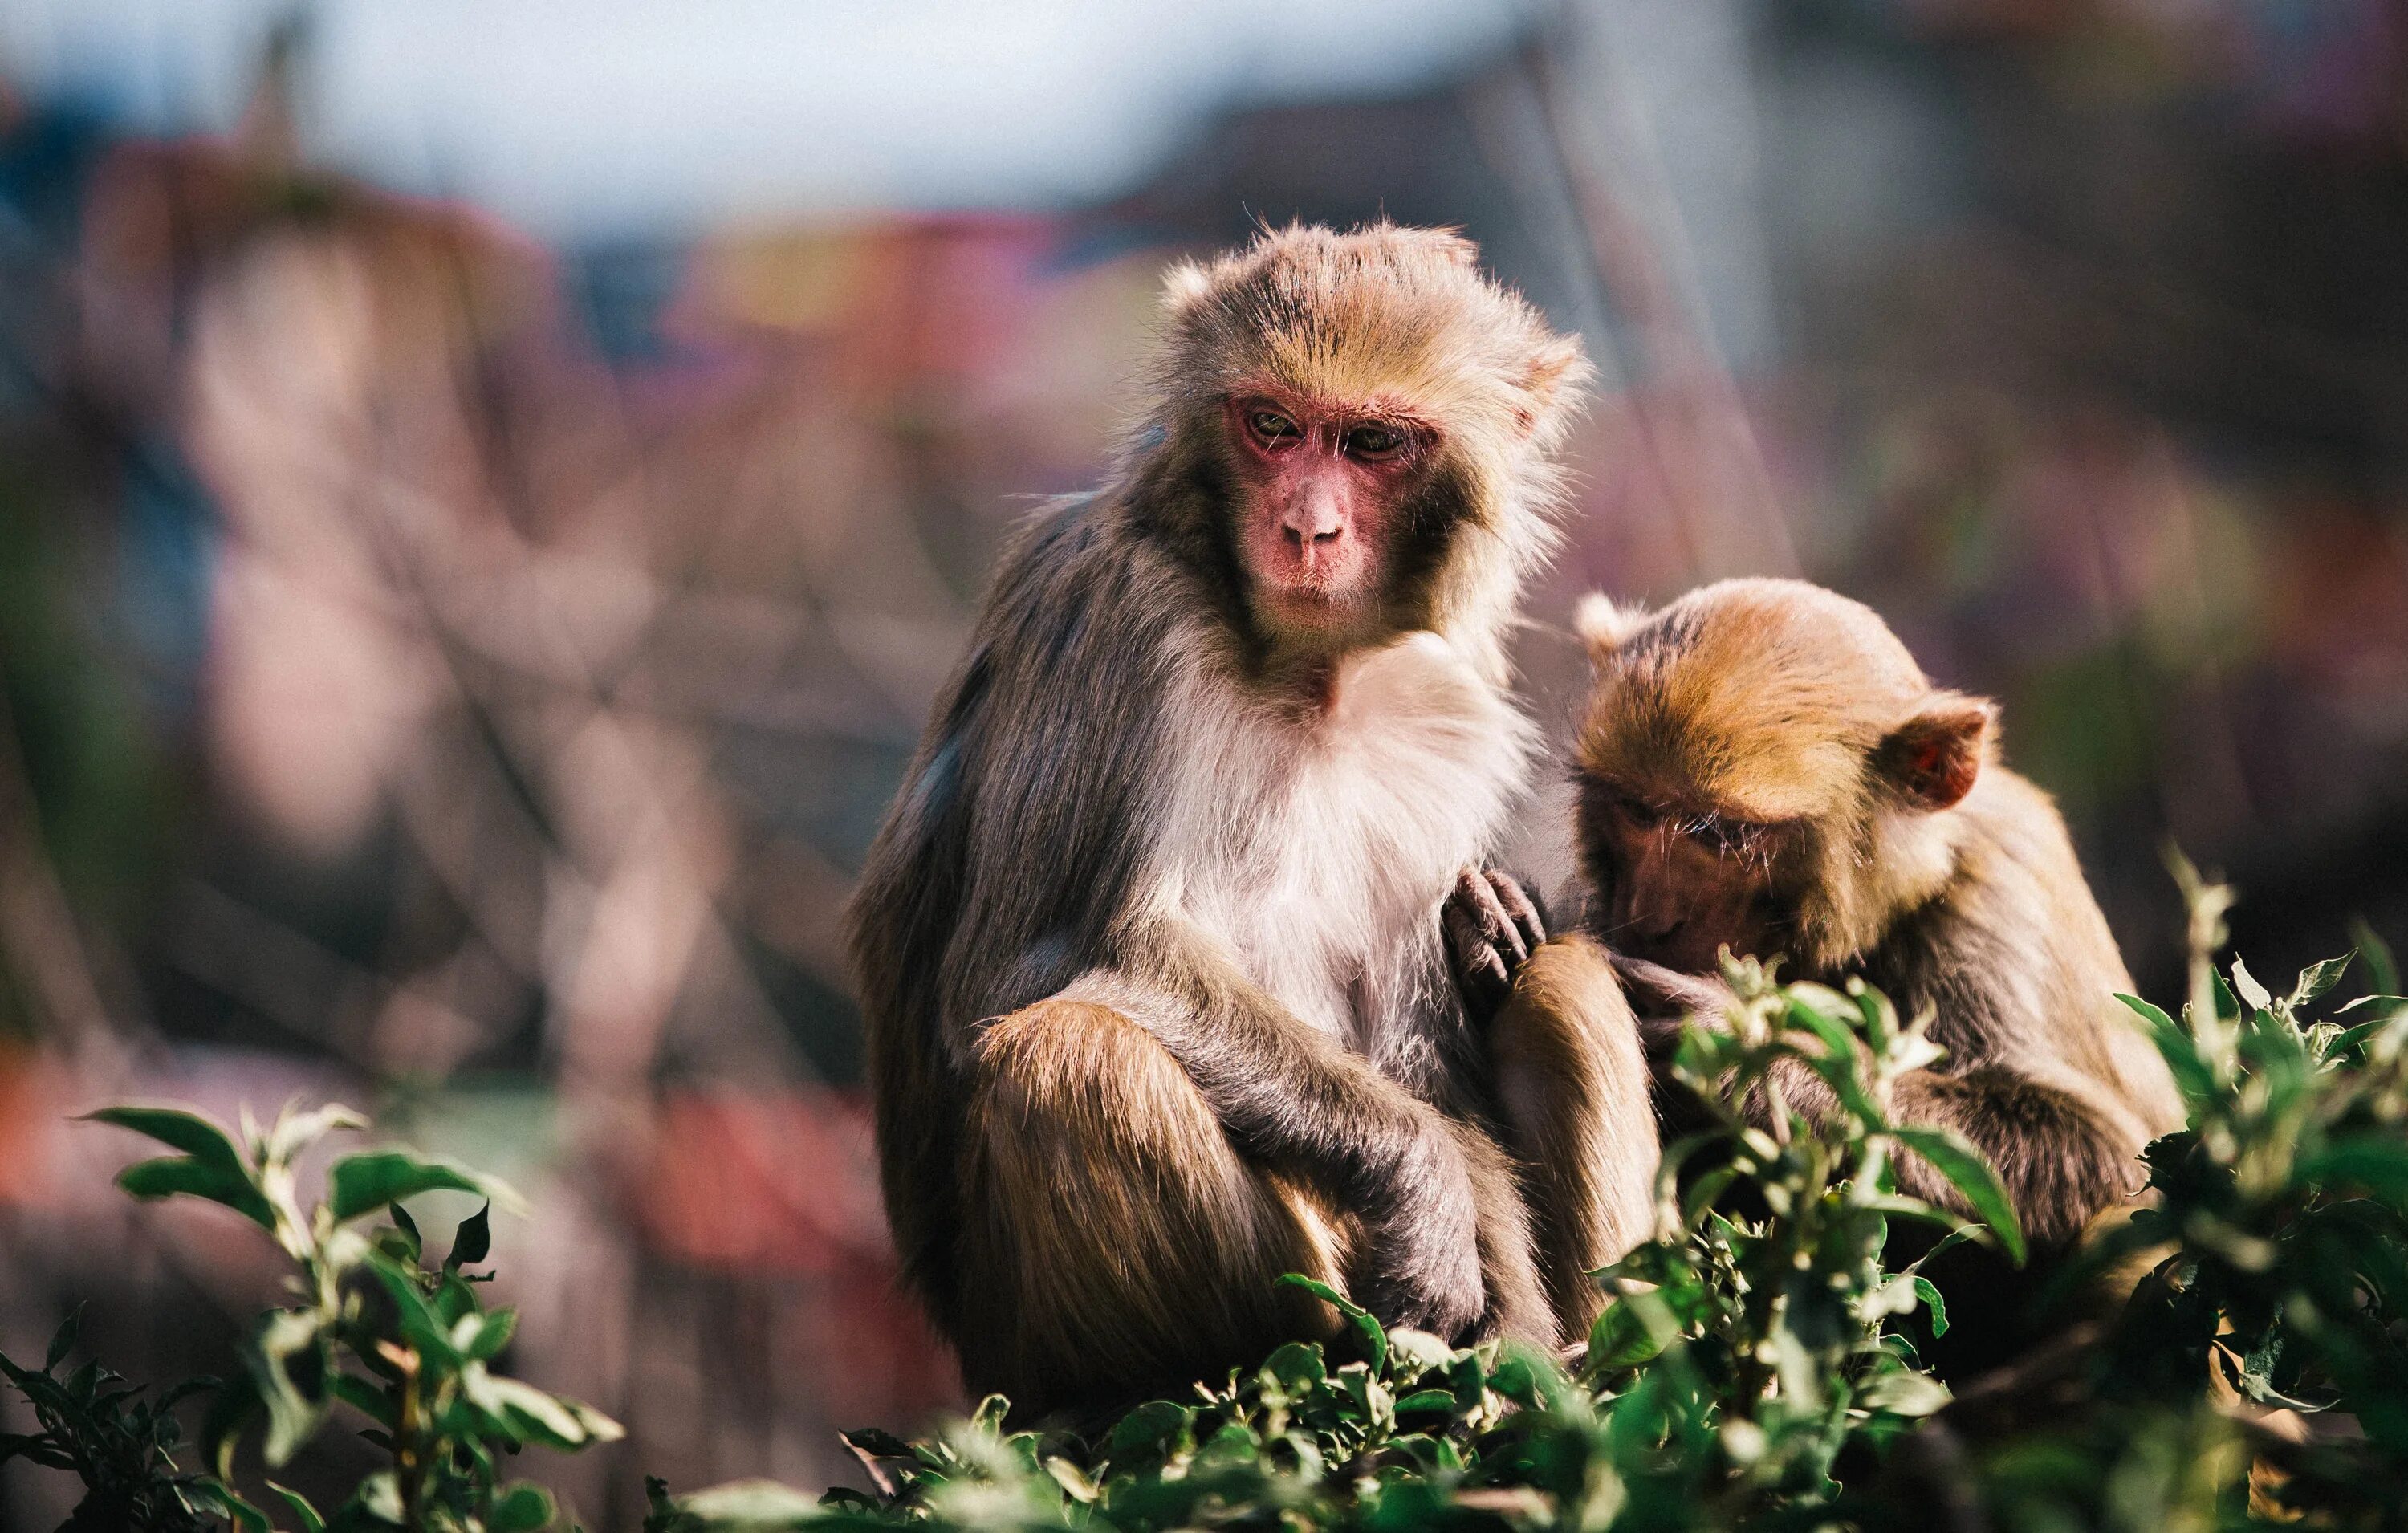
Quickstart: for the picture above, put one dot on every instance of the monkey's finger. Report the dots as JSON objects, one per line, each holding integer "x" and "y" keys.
{"x": 1478, "y": 967}
{"x": 1689, "y": 993}
{"x": 1479, "y": 901}
{"x": 1520, "y": 908}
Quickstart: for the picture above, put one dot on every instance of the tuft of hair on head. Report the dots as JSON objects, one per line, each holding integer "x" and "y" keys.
{"x": 1183, "y": 286}
{"x": 1603, "y": 623}
{"x": 1933, "y": 758}
{"x": 1384, "y": 306}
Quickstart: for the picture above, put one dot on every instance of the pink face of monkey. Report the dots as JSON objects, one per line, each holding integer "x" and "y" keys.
{"x": 1322, "y": 487}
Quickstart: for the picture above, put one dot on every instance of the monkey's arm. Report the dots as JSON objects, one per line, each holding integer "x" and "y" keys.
{"x": 2061, "y": 1155}
{"x": 1297, "y": 1100}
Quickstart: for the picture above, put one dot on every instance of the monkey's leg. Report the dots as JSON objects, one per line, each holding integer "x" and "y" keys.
{"x": 1519, "y": 1305}
{"x": 1573, "y": 1084}
{"x": 2060, "y": 1158}
{"x": 1114, "y": 1243}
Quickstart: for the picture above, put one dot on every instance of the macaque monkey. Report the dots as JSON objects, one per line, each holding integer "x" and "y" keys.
{"x": 1158, "y": 1003}
{"x": 1763, "y": 768}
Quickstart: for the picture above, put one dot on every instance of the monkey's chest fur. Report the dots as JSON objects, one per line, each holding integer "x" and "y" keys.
{"x": 1319, "y": 846}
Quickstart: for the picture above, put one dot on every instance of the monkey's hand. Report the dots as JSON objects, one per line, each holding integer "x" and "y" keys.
{"x": 1421, "y": 1265}
{"x": 1664, "y": 998}
{"x": 1492, "y": 927}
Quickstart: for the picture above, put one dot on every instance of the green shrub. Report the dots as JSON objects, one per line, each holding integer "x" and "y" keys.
{"x": 1747, "y": 1372}
{"x": 404, "y": 1345}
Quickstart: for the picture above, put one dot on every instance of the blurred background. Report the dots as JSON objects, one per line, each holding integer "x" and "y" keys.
{"x": 488, "y": 491}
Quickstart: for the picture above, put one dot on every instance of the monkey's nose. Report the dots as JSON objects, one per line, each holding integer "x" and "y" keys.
{"x": 1307, "y": 530}
{"x": 1656, "y": 925}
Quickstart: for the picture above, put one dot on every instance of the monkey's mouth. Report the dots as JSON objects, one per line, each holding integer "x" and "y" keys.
{"x": 1312, "y": 603}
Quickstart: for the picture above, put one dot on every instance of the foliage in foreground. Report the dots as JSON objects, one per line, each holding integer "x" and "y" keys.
{"x": 1747, "y": 1374}
{"x": 403, "y": 1346}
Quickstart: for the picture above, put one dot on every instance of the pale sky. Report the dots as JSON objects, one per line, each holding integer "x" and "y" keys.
{"x": 590, "y": 116}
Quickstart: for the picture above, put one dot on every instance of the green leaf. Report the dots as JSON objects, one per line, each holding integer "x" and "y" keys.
{"x": 63, "y": 1339}
{"x": 1933, "y": 1305}
{"x": 290, "y": 1361}
{"x": 1623, "y": 1336}
{"x": 751, "y": 1503}
{"x": 231, "y": 1506}
{"x": 1904, "y": 1392}
{"x": 876, "y": 1441}
{"x": 308, "y": 1514}
{"x": 168, "y": 1177}
{"x": 419, "y": 1325}
{"x": 1298, "y": 1366}
{"x": 472, "y": 1240}
{"x": 1150, "y": 1424}
{"x": 175, "y": 1128}
{"x": 408, "y": 1227}
{"x": 380, "y": 1497}
{"x": 2258, "y": 995}
{"x": 549, "y": 1419}
{"x": 2377, "y": 1161}
{"x": 361, "y": 1185}
{"x": 1375, "y": 1335}
{"x": 2192, "y": 1074}
{"x": 1838, "y": 1065}
{"x": 1074, "y": 1481}
{"x": 481, "y": 1337}
{"x": 2382, "y": 969}
{"x": 521, "y": 1509}
{"x": 231, "y": 1413}
{"x": 2319, "y": 977}
{"x": 1956, "y": 1159}
{"x": 293, "y": 1132}
{"x": 2227, "y": 1005}
{"x": 1528, "y": 1375}
{"x": 370, "y": 1399}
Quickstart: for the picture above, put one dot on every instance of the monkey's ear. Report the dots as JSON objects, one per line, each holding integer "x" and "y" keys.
{"x": 1603, "y": 623}
{"x": 1451, "y": 245}
{"x": 1183, "y": 286}
{"x": 1934, "y": 756}
{"x": 1557, "y": 376}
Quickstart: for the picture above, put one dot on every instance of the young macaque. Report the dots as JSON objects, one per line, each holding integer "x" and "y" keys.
{"x": 1764, "y": 768}
{"x": 1149, "y": 947}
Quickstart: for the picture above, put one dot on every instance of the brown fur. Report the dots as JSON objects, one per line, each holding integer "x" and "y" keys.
{"x": 1113, "y": 1098}
{"x": 1567, "y": 1055}
{"x": 1883, "y": 838}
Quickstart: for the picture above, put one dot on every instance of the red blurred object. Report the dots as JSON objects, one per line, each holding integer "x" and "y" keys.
{"x": 785, "y": 1187}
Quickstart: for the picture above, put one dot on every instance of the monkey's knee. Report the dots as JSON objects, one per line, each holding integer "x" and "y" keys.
{"x": 2060, "y": 1160}
{"x": 1573, "y": 1086}
{"x": 1115, "y": 1241}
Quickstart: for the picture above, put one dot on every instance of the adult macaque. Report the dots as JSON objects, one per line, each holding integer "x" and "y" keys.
{"x": 1157, "y": 1000}
{"x": 1764, "y": 768}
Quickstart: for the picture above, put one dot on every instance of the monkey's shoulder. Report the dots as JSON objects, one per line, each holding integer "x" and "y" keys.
{"x": 2013, "y": 945}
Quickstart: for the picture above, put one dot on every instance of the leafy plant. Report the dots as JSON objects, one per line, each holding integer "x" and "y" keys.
{"x": 123, "y": 1447}
{"x": 1739, "y": 1358}
{"x": 376, "y": 1330}
{"x": 2282, "y": 1211}
{"x": 1746, "y": 1371}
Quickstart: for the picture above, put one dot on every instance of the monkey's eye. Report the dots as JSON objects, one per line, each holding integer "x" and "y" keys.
{"x": 1373, "y": 443}
{"x": 1270, "y": 427}
{"x": 1727, "y": 837}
